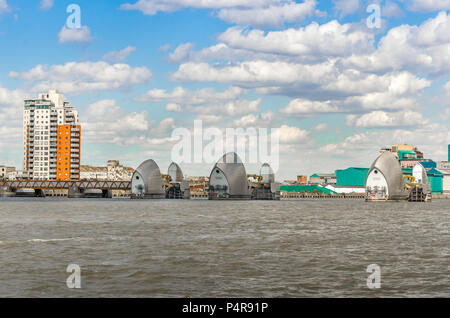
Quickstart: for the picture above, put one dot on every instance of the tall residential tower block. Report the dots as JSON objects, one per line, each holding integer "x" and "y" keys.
{"x": 51, "y": 138}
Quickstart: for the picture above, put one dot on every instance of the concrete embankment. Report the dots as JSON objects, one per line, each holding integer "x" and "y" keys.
{"x": 309, "y": 195}
{"x": 441, "y": 196}
{"x": 288, "y": 195}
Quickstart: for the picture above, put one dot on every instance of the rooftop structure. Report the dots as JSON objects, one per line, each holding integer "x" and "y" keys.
{"x": 404, "y": 152}
{"x": 323, "y": 178}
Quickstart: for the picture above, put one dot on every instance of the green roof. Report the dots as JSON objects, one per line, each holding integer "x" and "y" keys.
{"x": 353, "y": 176}
{"x": 327, "y": 175}
{"x": 305, "y": 188}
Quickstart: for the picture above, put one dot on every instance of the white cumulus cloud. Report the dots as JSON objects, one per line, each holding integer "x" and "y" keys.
{"x": 381, "y": 119}
{"x": 46, "y": 4}
{"x": 75, "y": 35}
{"x": 330, "y": 39}
{"x": 105, "y": 121}
{"x": 119, "y": 56}
{"x": 4, "y": 7}
{"x": 181, "y": 52}
{"x": 173, "y": 107}
{"x": 346, "y": 7}
{"x": 304, "y": 107}
{"x": 289, "y": 134}
{"x": 272, "y": 15}
{"x": 429, "y": 5}
{"x": 423, "y": 49}
{"x": 76, "y": 77}
{"x": 244, "y": 12}
{"x": 447, "y": 88}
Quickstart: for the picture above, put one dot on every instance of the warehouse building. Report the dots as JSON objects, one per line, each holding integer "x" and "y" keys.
{"x": 446, "y": 181}
{"x": 444, "y": 168}
{"x": 352, "y": 177}
{"x": 322, "y": 178}
{"x": 435, "y": 178}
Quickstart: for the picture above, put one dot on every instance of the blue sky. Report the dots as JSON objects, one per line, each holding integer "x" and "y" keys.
{"x": 136, "y": 70}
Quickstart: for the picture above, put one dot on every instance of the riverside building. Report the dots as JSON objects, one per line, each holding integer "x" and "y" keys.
{"x": 51, "y": 138}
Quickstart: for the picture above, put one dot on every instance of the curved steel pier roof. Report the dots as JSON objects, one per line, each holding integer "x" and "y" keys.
{"x": 175, "y": 172}
{"x": 231, "y": 167}
{"x": 147, "y": 179}
{"x": 420, "y": 174}
{"x": 267, "y": 173}
{"x": 388, "y": 166}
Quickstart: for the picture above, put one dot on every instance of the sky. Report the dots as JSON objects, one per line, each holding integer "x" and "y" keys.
{"x": 336, "y": 79}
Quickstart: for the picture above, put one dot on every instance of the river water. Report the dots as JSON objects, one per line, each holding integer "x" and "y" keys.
{"x": 199, "y": 248}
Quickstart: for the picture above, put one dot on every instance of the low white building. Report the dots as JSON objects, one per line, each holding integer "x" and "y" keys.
{"x": 346, "y": 189}
{"x": 445, "y": 181}
{"x": 443, "y": 165}
{"x": 7, "y": 172}
{"x": 117, "y": 172}
{"x": 112, "y": 172}
{"x": 17, "y": 175}
{"x": 93, "y": 173}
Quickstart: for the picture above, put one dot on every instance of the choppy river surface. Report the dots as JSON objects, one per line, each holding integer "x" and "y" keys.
{"x": 223, "y": 249}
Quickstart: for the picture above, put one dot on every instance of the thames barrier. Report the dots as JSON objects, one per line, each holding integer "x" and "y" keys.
{"x": 228, "y": 181}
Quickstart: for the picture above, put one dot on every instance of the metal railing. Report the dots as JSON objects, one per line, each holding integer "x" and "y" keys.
{"x": 53, "y": 185}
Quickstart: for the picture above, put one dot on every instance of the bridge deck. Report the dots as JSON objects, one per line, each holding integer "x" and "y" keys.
{"x": 59, "y": 185}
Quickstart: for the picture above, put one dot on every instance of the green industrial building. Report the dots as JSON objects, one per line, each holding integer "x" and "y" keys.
{"x": 406, "y": 154}
{"x": 352, "y": 177}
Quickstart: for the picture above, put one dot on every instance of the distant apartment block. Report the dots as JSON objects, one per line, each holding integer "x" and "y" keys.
{"x": 444, "y": 165}
{"x": 198, "y": 185}
{"x": 302, "y": 180}
{"x": 94, "y": 173}
{"x": 114, "y": 171}
{"x": 10, "y": 173}
{"x": 6, "y": 171}
{"x": 404, "y": 152}
{"x": 322, "y": 178}
{"x": 51, "y": 138}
